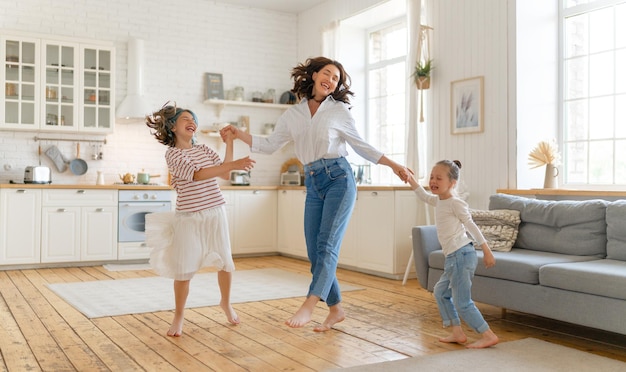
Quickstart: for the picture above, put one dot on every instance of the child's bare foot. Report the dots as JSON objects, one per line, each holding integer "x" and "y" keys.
{"x": 488, "y": 339}
{"x": 335, "y": 315}
{"x": 231, "y": 315}
{"x": 457, "y": 336}
{"x": 176, "y": 329}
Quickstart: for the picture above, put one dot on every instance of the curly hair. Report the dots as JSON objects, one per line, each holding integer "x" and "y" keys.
{"x": 162, "y": 121}
{"x": 303, "y": 79}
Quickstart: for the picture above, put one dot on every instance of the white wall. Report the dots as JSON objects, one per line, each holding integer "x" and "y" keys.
{"x": 183, "y": 39}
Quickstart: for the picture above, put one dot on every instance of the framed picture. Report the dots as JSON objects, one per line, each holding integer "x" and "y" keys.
{"x": 466, "y": 104}
{"x": 214, "y": 86}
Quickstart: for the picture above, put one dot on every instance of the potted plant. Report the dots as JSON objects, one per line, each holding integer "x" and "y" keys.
{"x": 422, "y": 73}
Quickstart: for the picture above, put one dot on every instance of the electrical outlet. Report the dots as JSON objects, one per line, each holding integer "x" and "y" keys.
{"x": 8, "y": 167}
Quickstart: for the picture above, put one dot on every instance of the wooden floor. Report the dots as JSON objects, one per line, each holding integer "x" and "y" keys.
{"x": 386, "y": 321}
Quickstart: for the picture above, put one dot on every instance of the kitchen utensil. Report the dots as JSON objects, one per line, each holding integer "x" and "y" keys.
{"x": 100, "y": 178}
{"x": 78, "y": 166}
{"x": 127, "y": 178}
{"x": 143, "y": 178}
{"x": 57, "y": 158}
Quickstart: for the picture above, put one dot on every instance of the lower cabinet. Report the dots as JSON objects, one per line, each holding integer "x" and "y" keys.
{"x": 252, "y": 220}
{"x": 20, "y": 226}
{"x": 78, "y": 225}
{"x": 291, "y": 223}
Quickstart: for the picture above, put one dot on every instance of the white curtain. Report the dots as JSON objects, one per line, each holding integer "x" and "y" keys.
{"x": 330, "y": 40}
{"x": 413, "y": 8}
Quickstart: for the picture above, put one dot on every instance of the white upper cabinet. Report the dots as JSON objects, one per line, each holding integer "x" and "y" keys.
{"x": 57, "y": 86}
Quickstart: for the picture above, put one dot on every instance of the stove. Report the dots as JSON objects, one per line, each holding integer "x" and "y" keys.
{"x": 133, "y": 207}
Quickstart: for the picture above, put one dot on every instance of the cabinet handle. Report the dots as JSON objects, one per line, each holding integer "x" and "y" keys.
{"x": 61, "y": 210}
{"x": 20, "y": 191}
{"x": 256, "y": 192}
{"x": 99, "y": 209}
{"x": 374, "y": 193}
{"x": 80, "y": 191}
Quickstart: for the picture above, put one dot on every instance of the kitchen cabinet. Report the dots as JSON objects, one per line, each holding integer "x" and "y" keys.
{"x": 253, "y": 213}
{"x": 290, "y": 232}
{"x": 369, "y": 240}
{"x": 20, "y": 226}
{"x": 79, "y": 225}
{"x": 377, "y": 239}
{"x": 57, "y": 85}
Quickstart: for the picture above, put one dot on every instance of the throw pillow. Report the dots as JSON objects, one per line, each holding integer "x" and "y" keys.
{"x": 499, "y": 227}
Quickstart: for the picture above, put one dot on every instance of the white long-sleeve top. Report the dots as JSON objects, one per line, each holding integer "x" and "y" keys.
{"x": 453, "y": 220}
{"x": 322, "y": 136}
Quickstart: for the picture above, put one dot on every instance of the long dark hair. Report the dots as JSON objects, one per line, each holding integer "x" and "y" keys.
{"x": 162, "y": 121}
{"x": 303, "y": 79}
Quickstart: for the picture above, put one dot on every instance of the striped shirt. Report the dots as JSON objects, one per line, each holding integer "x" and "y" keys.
{"x": 193, "y": 196}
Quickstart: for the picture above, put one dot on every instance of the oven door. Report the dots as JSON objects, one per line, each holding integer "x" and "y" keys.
{"x": 132, "y": 219}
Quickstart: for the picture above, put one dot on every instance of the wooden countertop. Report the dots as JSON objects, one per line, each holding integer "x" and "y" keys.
{"x": 82, "y": 186}
{"x": 165, "y": 187}
{"x": 563, "y": 192}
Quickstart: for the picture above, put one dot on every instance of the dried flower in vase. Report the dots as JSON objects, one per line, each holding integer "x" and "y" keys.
{"x": 544, "y": 153}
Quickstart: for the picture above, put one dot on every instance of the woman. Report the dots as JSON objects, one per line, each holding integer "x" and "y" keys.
{"x": 320, "y": 125}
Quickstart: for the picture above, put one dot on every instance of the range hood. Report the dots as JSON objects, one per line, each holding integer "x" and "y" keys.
{"x": 134, "y": 107}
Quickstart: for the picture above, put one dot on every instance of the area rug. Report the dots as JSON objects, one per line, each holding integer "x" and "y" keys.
{"x": 102, "y": 298}
{"x": 529, "y": 354}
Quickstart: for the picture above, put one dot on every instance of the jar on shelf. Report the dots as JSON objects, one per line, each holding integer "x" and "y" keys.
{"x": 238, "y": 94}
{"x": 269, "y": 96}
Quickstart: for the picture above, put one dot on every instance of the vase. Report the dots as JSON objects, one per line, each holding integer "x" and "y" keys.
{"x": 423, "y": 82}
{"x": 550, "y": 181}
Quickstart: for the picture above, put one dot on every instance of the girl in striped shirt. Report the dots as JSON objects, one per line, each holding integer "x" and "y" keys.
{"x": 196, "y": 234}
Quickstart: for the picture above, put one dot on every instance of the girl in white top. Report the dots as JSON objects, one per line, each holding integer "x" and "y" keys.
{"x": 196, "y": 234}
{"x": 320, "y": 126}
{"x": 453, "y": 220}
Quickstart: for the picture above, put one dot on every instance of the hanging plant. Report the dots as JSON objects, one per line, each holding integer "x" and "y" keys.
{"x": 421, "y": 74}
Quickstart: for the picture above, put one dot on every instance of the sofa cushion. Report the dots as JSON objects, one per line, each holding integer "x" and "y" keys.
{"x": 616, "y": 230}
{"x": 598, "y": 277}
{"x": 520, "y": 265}
{"x": 499, "y": 227}
{"x": 564, "y": 226}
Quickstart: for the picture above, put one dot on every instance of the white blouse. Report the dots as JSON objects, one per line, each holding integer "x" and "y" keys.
{"x": 322, "y": 136}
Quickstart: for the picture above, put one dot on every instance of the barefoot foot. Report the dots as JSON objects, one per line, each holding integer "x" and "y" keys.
{"x": 457, "y": 336}
{"x": 488, "y": 339}
{"x": 335, "y": 316}
{"x": 231, "y": 315}
{"x": 176, "y": 329}
{"x": 300, "y": 318}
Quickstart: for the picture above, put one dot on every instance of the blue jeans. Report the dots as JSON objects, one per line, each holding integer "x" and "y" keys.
{"x": 330, "y": 198}
{"x": 453, "y": 291}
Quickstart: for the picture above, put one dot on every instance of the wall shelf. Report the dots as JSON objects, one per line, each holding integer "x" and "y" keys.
{"x": 221, "y": 103}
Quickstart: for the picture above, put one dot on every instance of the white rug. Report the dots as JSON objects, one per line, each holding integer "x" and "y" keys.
{"x": 127, "y": 267}
{"x": 144, "y": 295}
{"x": 527, "y": 355}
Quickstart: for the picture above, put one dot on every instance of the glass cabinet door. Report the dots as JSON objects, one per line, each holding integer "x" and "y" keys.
{"x": 60, "y": 82}
{"x": 21, "y": 76}
{"x": 97, "y": 89}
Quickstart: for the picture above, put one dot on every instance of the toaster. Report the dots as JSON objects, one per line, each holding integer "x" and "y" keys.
{"x": 290, "y": 179}
{"x": 37, "y": 174}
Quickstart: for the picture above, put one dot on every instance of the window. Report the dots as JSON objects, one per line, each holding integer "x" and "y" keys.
{"x": 386, "y": 84}
{"x": 594, "y": 92}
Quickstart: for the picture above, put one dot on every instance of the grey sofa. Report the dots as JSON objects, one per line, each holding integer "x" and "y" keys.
{"x": 568, "y": 262}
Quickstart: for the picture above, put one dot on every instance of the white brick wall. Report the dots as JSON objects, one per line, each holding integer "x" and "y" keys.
{"x": 183, "y": 39}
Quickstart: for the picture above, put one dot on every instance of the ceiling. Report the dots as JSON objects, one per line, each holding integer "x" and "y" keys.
{"x": 288, "y": 6}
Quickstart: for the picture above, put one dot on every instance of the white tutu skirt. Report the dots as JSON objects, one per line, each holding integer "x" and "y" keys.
{"x": 184, "y": 242}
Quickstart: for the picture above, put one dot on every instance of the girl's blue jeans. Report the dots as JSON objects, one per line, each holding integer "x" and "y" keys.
{"x": 453, "y": 291}
{"x": 330, "y": 198}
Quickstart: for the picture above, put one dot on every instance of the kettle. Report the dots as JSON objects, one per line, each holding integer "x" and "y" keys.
{"x": 127, "y": 178}
{"x": 239, "y": 178}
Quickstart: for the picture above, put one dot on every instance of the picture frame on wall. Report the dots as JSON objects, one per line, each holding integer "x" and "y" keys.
{"x": 466, "y": 105}
{"x": 214, "y": 86}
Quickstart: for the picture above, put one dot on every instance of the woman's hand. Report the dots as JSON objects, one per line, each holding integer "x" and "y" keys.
{"x": 243, "y": 164}
{"x": 229, "y": 132}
